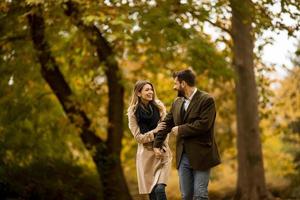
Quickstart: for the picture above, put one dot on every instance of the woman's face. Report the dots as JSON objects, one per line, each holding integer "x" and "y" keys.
{"x": 146, "y": 93}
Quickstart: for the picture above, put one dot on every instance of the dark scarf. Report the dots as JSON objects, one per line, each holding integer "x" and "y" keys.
{"x": 147, "y": 117}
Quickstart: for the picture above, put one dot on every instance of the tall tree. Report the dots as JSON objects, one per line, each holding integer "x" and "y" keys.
{"x": 251, "y": 179}
{"x": 106, "y": 154}
{"x": 111, "y": 170}
{"x": 243, "y": 21}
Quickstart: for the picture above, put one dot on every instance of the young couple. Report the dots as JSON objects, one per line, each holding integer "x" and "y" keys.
{"x": 191, "y": 119}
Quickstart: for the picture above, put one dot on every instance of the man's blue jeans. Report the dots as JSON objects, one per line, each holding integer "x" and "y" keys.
{"x": 193, "y": 183}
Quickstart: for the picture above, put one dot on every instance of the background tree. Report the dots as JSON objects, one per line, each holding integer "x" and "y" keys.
{"x": 251, "y": 179}
{"x": 35, "y": 132}
{"x": 248, "y": 21}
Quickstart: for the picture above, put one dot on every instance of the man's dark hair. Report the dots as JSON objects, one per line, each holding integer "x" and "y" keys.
{"x": 186, "y": 75}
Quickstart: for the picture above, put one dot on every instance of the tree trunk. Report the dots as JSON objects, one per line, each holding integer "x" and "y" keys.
{"x": 106, "y": 155}
{"x": 251, "y": 178}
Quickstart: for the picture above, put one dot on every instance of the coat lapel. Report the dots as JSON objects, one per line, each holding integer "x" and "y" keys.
{"x": 192, "y": 103}
{"x": 178, "y": 111}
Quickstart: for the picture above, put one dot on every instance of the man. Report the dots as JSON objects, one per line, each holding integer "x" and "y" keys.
{"x": 191, "y": 119}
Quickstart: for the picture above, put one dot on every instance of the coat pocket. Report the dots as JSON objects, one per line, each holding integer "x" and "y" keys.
{"x": 148, "y": 146}
{"x": 207, "y": 144}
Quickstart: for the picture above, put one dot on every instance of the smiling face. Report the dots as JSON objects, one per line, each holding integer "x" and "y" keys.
{"x": 146, "y": 94}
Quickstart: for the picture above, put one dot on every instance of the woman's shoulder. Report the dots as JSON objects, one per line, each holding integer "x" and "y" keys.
{"x": 131, "y": 110}
{"x": 161, "y": 106}
{"x": 159, "y": 103}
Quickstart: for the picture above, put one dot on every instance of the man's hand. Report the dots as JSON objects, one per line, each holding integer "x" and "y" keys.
{"x": 157, "y": 152}
{"x": 174, "y": 130}
{"x": 160, "y": 126}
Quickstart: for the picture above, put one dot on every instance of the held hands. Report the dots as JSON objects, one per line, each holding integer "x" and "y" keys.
{"x": 158, "y": 152}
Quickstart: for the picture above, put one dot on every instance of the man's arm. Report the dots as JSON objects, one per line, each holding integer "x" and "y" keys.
{"x": 161, "y": 135}
{"x": 203, "y": 123}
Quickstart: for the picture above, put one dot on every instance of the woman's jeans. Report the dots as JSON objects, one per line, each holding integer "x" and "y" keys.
{"x": 158, "y": 192}
{"x": 193, "y": 183}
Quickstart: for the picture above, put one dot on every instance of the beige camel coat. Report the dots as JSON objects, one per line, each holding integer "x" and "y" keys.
{"x": 150, "y": 170}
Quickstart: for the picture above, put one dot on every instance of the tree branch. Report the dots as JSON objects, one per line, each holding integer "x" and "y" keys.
{"x": 53, "y": 76}
{"x": 112, "y": 72}
{"x": 219, "y": 25}
{"x": 13, "y": 38}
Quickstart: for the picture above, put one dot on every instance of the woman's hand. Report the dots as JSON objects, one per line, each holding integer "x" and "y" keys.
{"x": 158, "y": 152}
{"x": 160, "y": 126}
{"x": 174, "y": 130}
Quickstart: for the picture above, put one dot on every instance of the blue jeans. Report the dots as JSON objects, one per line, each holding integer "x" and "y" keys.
{"x": 193, "y": 183}
{"x": 158, "y": 192}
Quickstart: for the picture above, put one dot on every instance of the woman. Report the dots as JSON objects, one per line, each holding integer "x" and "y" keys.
{"x": 144, "y": 114}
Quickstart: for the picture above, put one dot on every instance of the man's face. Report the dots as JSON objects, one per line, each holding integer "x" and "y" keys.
{"x": 179, "y": 87}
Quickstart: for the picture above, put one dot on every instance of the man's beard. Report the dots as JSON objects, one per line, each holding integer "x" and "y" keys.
{"x": 180, "y": 93}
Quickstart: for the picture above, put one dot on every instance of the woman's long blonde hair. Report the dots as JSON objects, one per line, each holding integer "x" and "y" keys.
{"x": 136, "y": 100}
